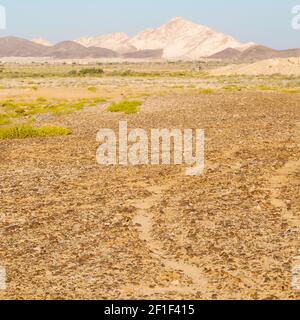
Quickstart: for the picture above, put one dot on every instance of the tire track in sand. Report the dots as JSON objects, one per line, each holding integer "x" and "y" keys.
{"x": 144, "y": 222}
{"x": 281, "y": 179}
{"x": 277, "y": 182}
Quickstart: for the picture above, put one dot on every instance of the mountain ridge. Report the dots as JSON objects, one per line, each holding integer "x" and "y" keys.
{"x": 178, "y": 39}
{"x": 254, "y": 53}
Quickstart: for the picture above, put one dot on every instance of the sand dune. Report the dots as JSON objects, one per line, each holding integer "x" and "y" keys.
{"x": 287, "y": 66}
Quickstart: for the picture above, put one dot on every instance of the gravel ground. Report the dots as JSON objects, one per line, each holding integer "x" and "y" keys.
{"x": 72, "y": 229}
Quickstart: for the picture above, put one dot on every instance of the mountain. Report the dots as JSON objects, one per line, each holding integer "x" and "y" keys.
{"x": 17, "y": 47}
{"x": 261, "y": 53}
{"x": 42, "y": 41}
{"x": 72, "y": 50}
{"x": 227, "y": 54}
{"x": 113, "y": 41}
{"x": 178, "y": 39}
{"x": 181, "y": 39}
{"x": 255, "y": 53}
{"x": 144, "y": 54}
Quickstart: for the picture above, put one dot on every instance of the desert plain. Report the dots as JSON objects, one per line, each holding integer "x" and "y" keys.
{"x": 72, "y": 229}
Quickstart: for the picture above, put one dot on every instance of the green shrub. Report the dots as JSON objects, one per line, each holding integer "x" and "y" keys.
{"x": 98, "y": 100}
{"x": 206, "y": 91}
{"x": 12, "y": 109}
{"x": 295, "y": 90}
{"x": 27, "y": 131}
{"x": 92, "y": 89}
{"x": 128, "y": 107}
{"x": 232, "y": 88}
{"x": 91, "y": 72}
{"x": 127, "y": 73}
{"x": 3, "y": 119}
{"x": 41, "y": 99}
{"x": 8, "y": 105}
{"x": 20, "y": 111}
{"x": 264, "y": 87}
{"x": 72, "y": 73}
{"x": 65, "y": 108}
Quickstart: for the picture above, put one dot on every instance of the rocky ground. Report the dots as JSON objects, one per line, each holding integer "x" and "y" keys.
{"x": 72, "y": 229}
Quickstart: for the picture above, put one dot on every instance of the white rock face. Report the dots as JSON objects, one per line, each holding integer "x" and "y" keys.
{"x": 42, "y": 41}
{"x": 185, "y": 40}
{"x": 179, "y": 38}
{"x": 113, "y": 41}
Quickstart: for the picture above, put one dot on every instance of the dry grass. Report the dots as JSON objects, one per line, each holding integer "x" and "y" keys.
{"x": 127, "y": 107}
{"x": 26, "y": 131}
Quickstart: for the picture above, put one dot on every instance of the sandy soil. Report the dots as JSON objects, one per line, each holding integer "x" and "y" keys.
{"x": 73, "y": 229}
{"x": 286, "y": 66}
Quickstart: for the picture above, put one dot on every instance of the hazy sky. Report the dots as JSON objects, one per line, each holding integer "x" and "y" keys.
{"x": 263, "y": 21}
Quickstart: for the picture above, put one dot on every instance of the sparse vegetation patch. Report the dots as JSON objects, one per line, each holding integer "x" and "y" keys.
{"x": 27, "y": 131}
{"x": 128, "y": 107}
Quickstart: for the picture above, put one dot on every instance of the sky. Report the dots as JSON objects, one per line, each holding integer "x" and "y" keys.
{"x": 266, "y": 22}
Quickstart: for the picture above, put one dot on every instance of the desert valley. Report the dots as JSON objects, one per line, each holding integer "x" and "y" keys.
{"x": 72, "y": 229}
